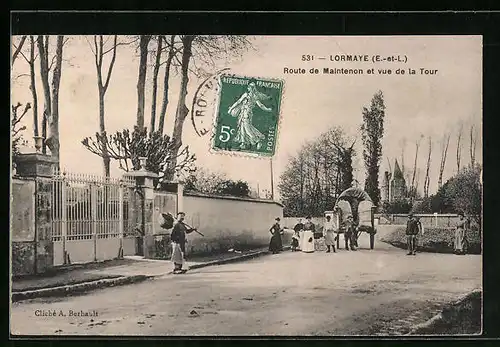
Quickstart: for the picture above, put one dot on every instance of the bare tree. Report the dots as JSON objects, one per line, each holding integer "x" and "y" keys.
{"x": 413, "y": 178}
{"x": 459, "y": 146}
{"x": 33, "y": 85}
{"x": 31, "y": 62}
{"x": 141, "y": 79}
{"x": 444, "y": 152}
{"x": 427, "y": 177}
{"x": 99, "y": 51}
{"x": 156, "y": 70}
{"x": 172, "y": 50}
{"x": 207, "y": 49}
{"x": 182, "y": 110}
{"x": 43, "y": 51}
{"x": 17, "y": 50}
{"x": 403, "y": 148}
{"x": 472, "y": 148}
{"x": 53, "y": 120}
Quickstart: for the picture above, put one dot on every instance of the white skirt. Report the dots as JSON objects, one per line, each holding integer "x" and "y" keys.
{"x": 307, "y": 242}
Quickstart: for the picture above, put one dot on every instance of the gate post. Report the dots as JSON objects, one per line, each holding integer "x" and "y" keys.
{"x": 40, "y": 167}
{"x": 144, "y": 187}
{"x": 120, "y": 218}
{"x": 93, "y": 217}
{"x": 64, "y": 225}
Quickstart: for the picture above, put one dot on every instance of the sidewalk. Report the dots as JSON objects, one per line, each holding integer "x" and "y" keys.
{"x": 131, "y": 269}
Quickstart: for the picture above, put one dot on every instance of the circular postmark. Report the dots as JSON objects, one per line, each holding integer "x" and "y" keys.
{"x": 204, "y": 104}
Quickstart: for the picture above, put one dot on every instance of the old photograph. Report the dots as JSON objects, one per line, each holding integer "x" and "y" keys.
{"x": 224, "y": 185}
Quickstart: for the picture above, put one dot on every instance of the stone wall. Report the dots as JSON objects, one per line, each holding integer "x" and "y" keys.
{"x": 22, "y": 228}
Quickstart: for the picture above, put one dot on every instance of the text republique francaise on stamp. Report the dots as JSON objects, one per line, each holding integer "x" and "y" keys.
{"x": 247, "y": 115}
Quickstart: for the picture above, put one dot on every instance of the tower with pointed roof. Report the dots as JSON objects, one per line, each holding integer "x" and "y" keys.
{"x": 397, "y": 184}
{"x": 393, "y": 185}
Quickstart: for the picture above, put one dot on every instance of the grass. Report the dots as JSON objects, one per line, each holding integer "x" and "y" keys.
{"x": 462, "y": 317}
{"x": 436, "y": 240}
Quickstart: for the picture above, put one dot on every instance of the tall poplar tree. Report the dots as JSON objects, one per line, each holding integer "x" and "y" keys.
{"x": 372, "y": 131}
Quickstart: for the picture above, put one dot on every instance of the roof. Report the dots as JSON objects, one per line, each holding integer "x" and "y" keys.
{"x": 398, "y": 174}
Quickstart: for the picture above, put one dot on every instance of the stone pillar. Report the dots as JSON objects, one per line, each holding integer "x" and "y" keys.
{"x": 145, "y": 190}
{"x": 40, "y": 167}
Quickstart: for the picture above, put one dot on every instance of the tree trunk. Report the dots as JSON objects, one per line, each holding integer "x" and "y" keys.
{"x": 427, "y": 178}
{"x": 166, "y": 77}
{"x": 33, "y": 86}
{"x": 444, "y": 153}
{"x": 18, "y": 50}
{"x": 155, "y": 83}
{"x": 182, "y": 110}
{"x": 44, "y": 74}
{"x": 53, "y": 120}
{"x": 141, "y": 80}
{"x": 459, "y": 148}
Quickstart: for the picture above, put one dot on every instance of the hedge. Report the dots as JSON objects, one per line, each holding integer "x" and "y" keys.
{"x": 437, "y": 240}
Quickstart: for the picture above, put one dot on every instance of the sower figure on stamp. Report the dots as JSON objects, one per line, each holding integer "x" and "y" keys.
{"x": 246, "y": 134}
{"x": 350, "y": 233}
{"x": 276, "y": 245}
{"x": 413, "y": 227}
{"x": 329, "y": 234}
{"x": 178, "y": 238}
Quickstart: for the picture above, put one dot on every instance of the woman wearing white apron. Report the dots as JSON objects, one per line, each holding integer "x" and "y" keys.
{"x": 308, "y": 236}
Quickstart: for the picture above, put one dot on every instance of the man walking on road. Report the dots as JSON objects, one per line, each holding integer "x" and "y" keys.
{"x": 178, "y": 238}
{"x": 413, "y": 227}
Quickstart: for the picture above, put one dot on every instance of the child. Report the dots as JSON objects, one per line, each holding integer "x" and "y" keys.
{"x": 295, "y": 241}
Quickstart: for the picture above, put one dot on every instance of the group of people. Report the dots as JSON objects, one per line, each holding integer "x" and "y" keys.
{"x": 414, "y": 228}
{"x": 304, "y": 235}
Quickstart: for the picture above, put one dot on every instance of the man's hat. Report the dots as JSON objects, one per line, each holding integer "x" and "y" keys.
{"x": 178, "y": 213}
{"x": 278, "y": 219}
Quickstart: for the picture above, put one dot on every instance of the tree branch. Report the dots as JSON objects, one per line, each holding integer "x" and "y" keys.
{"x": 18, "y": 49}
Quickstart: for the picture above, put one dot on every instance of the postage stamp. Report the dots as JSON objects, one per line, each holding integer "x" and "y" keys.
{"x": 247, "y": 115}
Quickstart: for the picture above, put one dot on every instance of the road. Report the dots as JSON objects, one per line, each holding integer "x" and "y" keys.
{"x": 368, "y": 292}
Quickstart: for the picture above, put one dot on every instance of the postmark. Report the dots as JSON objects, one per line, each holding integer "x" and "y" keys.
{"x": 204, "y": 101}
{"x": 247, "y": 115}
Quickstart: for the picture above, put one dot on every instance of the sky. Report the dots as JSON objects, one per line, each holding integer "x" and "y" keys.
{"x": 416, "y": 105}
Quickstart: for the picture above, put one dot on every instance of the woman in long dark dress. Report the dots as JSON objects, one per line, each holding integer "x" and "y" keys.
{"x": 276, "y": 244}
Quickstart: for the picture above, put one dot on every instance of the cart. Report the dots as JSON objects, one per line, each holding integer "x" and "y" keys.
{"x": 355, "y": 202}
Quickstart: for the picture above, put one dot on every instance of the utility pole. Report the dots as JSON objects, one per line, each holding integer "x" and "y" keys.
{"x": 272, "y": 179}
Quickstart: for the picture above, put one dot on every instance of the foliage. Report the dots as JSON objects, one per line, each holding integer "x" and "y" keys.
{"x": 372, "y": 131}
{"x": 319, "y": 172}
{"x": 461, "y": 193}
{"x": 438, "y": 240}
{"x": 16, "y": 130}
{"x": 400, "y": 206}
{"x": 216, "y": 183}
{"x": 127, "y": 147}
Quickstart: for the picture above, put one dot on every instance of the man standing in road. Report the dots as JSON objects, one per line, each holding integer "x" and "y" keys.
{"x": 329, "y": 234}
{"x": 178, "y": 238}
{"x": 350, "y": 231}
{"x": 413, "y": 227}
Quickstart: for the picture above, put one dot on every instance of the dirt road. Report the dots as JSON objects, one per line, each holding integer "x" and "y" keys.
{"x": 378, "y": 292}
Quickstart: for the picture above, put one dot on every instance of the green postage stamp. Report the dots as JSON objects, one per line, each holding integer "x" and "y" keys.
{"x": 247, "y": 115}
